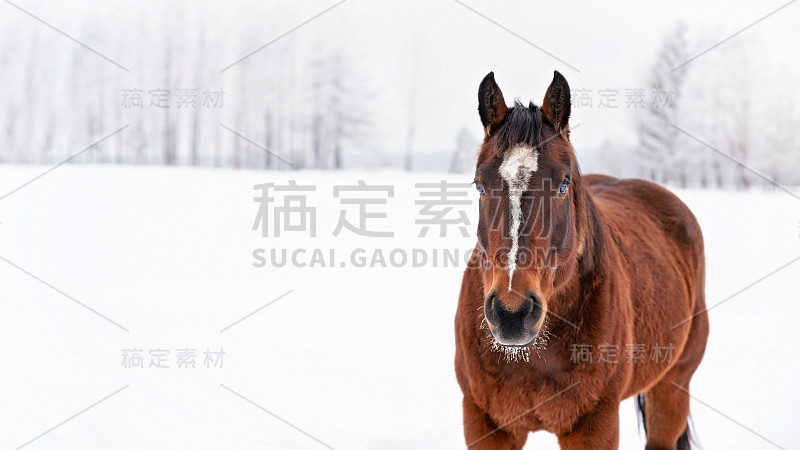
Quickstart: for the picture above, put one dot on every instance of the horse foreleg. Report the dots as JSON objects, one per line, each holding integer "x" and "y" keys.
{"x": 481, "y": 432}
{"x": 598, "y": 428}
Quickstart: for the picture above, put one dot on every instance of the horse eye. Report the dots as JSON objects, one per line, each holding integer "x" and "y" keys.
{"x": 562, "y": 190}
{"x": 480, "y": 187}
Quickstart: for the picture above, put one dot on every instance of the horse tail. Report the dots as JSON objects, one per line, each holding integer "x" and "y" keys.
{"x": 641, "y": 415}
{"x": 685, "y": 440}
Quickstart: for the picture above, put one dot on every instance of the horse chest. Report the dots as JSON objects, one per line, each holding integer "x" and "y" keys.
{"x": 524, "y": 397}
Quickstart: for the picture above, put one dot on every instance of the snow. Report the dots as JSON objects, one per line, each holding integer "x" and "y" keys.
{"x": 358, "y": 358}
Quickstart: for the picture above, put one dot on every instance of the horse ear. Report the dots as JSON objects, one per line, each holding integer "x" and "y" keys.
{"x": 491, "y": 105}
{"x": 556, "y": 104}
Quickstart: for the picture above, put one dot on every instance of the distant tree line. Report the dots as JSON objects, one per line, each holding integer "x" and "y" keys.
{"x": 291, "y": 101}
{"x": 728, "y": 124}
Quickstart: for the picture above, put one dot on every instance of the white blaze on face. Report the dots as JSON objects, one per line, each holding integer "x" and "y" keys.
{"x": 518, "y": 165}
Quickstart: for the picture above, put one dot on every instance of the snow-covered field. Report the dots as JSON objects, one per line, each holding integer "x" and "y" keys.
{"x": 354, "y": 357}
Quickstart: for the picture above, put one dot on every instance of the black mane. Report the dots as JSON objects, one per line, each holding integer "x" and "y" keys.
{"x": 522, "y": 125}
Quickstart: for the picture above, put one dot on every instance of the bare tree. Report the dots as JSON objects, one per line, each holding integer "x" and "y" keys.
{"x": 339, "y": 110}
{"x": 412, "y": 107}
{"x": 657, "y": 150}
{"x": 465, "y": 153}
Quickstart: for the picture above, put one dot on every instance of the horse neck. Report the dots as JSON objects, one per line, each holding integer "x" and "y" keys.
{"x": 589, "y": 268}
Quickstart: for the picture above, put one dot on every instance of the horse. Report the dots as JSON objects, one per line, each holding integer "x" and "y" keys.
{"x": 570, "y": 276}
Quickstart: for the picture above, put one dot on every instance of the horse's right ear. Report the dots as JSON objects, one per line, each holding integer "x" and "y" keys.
{"x": 491, "y": 105}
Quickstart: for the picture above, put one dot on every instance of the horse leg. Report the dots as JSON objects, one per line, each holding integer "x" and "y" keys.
{"x": 667, "y": 403}
{"x": 666, "y": 412}
{"x": 481, "y": 432}
{"x": 599, "y": 428}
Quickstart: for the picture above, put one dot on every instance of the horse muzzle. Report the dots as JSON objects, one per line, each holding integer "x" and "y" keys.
{"x": 514, "y": 327}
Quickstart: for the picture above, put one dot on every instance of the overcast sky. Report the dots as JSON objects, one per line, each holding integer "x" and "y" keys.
{"x": 608, "y": 45}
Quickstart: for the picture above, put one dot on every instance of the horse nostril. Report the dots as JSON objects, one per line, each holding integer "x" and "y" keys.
{"x": 490, "y": 306}
{"x": 534, "y": 308}
{"x": 527, "y": 306}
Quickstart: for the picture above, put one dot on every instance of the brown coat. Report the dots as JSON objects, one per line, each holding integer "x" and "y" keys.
{"x": 630, "y": 272}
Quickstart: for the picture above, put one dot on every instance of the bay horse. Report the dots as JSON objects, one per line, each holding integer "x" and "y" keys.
{"x": 571, "y": 275}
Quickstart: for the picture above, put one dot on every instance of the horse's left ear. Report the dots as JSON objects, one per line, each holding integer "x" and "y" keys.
{"x": 556, "y": 104}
